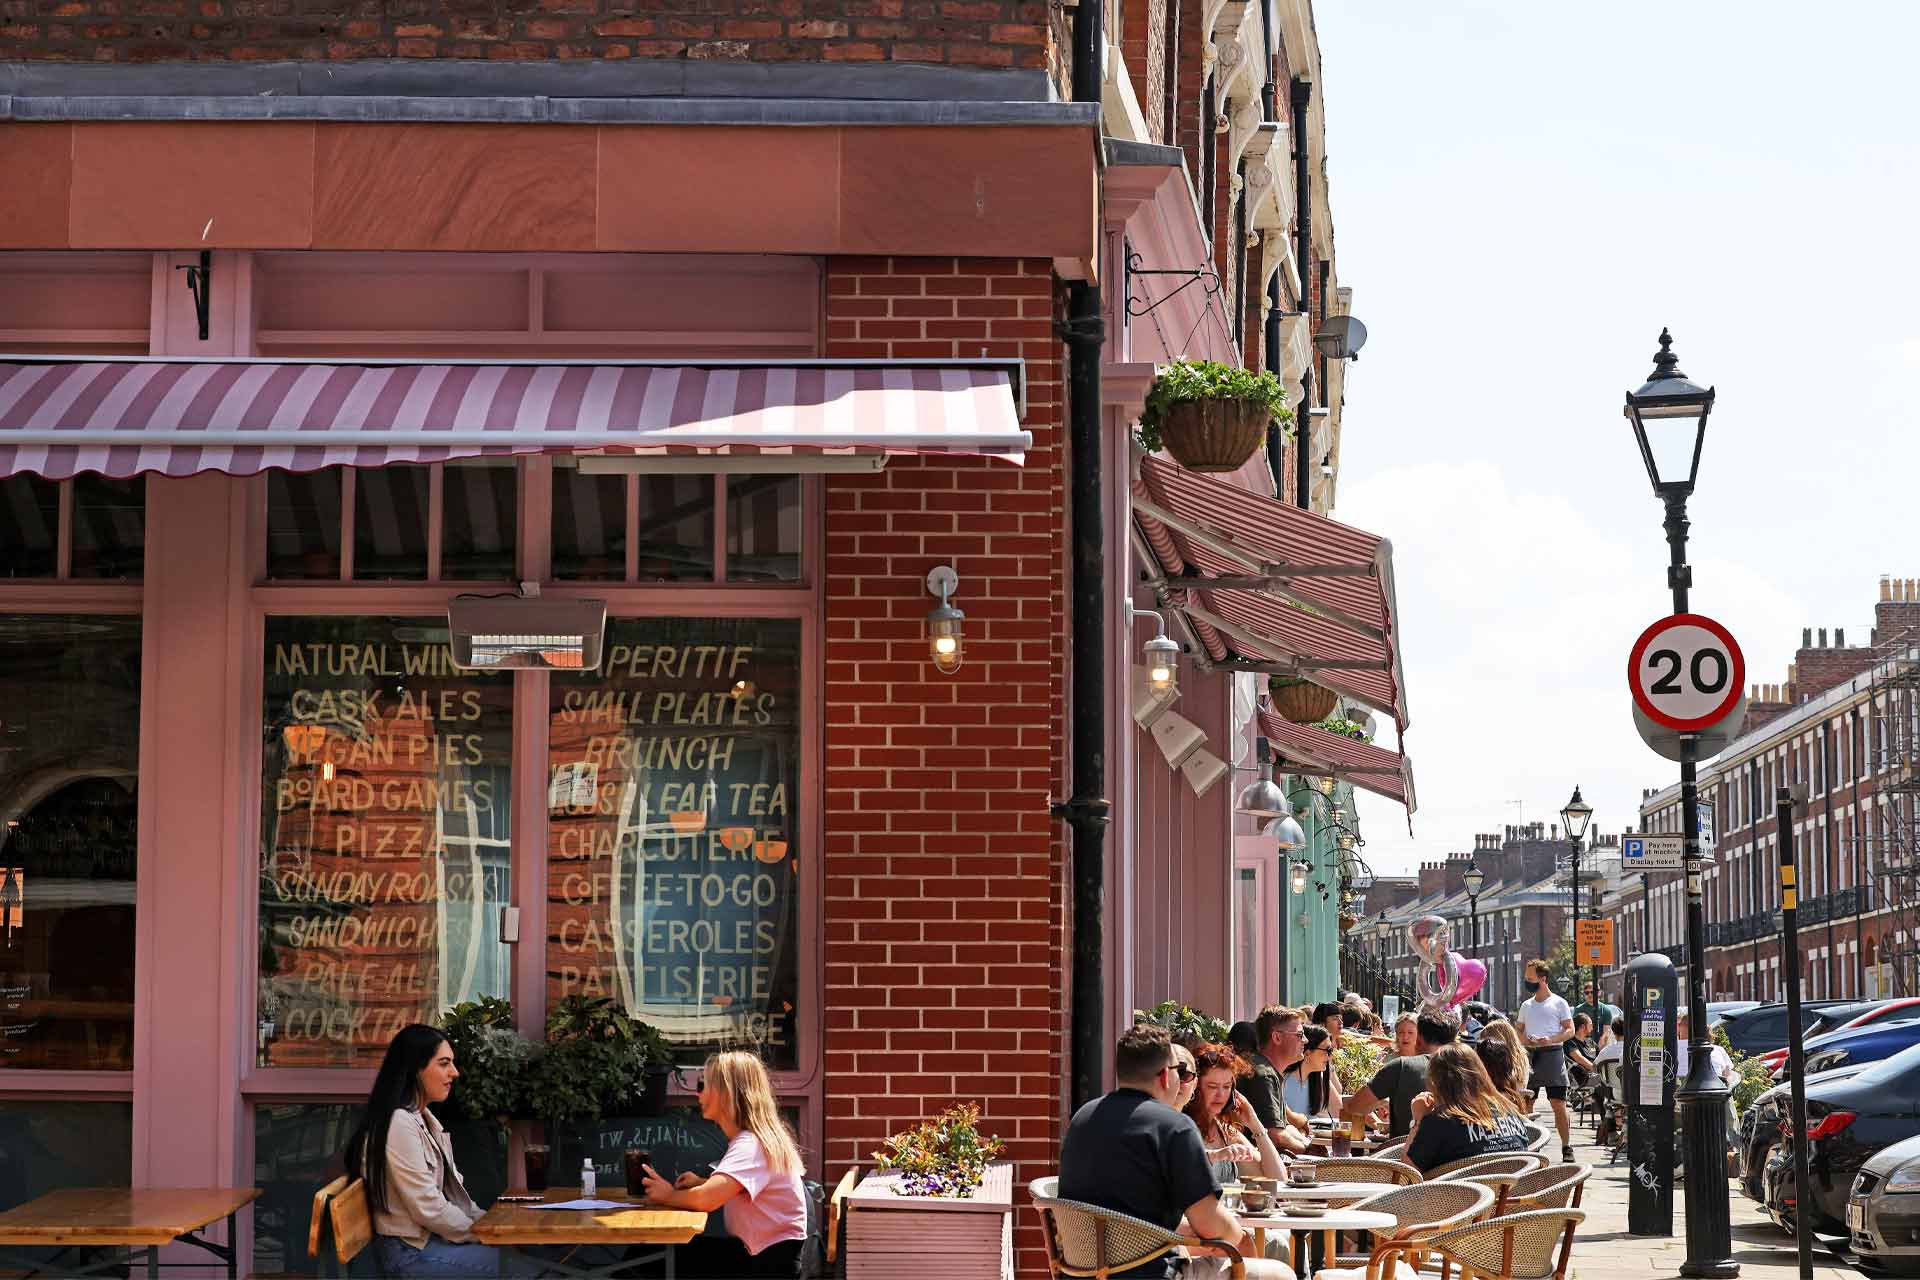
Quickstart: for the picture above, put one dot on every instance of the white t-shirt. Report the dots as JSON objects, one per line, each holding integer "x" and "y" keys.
{"x": 1543, "y": 1017}
{"x": 1683, "y": 1058}
{"x": 1611, "y": 1051}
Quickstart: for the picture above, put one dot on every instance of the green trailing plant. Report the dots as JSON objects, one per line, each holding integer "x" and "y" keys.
{"x": 1188, "y": 380}
{"x": 1179, "y": 1020}
{"x": 1356, "y": 1062}
{"x": 945, "y": 1156}
{"x": 1339, "y": 724}
{"x": 492, "y": 1059}
{"x": 595, "y": 1060}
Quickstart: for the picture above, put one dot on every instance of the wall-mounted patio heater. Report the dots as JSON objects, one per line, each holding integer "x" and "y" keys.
{"x": 501, "y": 632}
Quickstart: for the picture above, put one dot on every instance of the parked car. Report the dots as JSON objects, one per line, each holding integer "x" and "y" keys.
{"x": 1849, "y": 1120}
{"x": 1719, "y": 1009}
{"x": 1866, "y": 1044}
{"x": 1763, "y": 1027}
{"x": 1883, "y": 1210}
{"x": 1876, "y": 1013}
{"x": 1758, "y": 1130}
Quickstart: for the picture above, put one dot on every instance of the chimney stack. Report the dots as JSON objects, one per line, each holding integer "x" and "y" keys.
{"x": 1823, "y": 637}
{"x": 1806, "y": 637}
{"x": 1839, "y": 637}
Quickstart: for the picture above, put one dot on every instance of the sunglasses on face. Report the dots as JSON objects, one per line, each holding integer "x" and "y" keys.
{"x": 1184, "y": 1072}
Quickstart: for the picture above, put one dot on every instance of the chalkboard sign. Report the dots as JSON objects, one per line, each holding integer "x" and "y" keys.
{"x": 680, "y": 1140}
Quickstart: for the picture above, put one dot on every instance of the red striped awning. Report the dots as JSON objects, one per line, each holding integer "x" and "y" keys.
{"x": 133, "y": 415}
{"x": 1307, "y": 593}
{"x": 1306, "y": 749}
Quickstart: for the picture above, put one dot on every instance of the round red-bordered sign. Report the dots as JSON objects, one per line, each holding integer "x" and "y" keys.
{"x": 1686, "y": 672}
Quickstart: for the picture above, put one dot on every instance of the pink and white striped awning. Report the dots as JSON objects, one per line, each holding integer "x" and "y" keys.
{"x": 1306, "y": 749}
{"x": 133, "y": 415}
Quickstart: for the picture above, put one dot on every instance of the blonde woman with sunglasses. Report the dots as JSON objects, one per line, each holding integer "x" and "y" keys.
{"x": 757, "y": 1184}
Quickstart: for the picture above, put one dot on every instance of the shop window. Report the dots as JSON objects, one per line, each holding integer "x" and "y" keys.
{"x": 589, "y": 526}
{"x": 673, "y": 831}
{"x": 69, "y": 756}
{"x": 296, "y": 1148}
{"x": 303, "y": 524}
{"x": 104, "y": 522}
{"x": 477, "y": 524}
{"x": 763, "y": 528}
{"x": 386, "y": 812}
{"x": 652, "y": 527}
{"x": 390, "y": 507}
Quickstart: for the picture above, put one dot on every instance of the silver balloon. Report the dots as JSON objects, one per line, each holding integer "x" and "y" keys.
{"x": 1437, "y": 981}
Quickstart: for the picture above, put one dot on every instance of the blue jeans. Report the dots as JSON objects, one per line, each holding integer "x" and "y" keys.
{"x": 439, "y": 1258}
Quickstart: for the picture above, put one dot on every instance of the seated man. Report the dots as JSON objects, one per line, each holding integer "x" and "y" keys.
{"x": 1131, "y": 1152}
{"x": 1279, "y": 1044}
{"x": 1402, "y": 1079}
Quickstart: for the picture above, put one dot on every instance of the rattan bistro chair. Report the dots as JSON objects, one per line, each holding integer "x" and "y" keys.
{"x": 1422, "y": 1210}
{"x": 1366, "y": 1169}
{"x": 1086, "y": 1240}
{"x": 1515, "y": 1246}
{"x": 1395, "y": 1150}
{"x": 1558, "y": 1186}
{"x": 1499, "y": 1162}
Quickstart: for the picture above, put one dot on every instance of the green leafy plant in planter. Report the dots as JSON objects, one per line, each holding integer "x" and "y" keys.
{"x": 596, "y": 1060}
{"x": 946, "y": 1156}
{"x": 492, "y": 1059}
{"x": 1211, "y": 416}
{"x": 1356, "y": 1062}
{"x": 1345, "y": 728}
{"x": 1181, "y": 1021}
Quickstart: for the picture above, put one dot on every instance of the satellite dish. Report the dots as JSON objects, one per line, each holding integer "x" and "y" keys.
{"x": 1340, "y": 338}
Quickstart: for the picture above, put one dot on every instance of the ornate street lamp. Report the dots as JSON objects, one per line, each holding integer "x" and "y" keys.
{"x": 1669, "y": 416}
{"x": 1475, "y": 880}
{"x": 1577, "y": 814}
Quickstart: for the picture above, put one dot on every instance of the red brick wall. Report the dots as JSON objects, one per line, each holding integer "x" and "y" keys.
{"x": 992, "y": 33}
{"x": 1143, "y": 44}
{"x": 945, "y": 960}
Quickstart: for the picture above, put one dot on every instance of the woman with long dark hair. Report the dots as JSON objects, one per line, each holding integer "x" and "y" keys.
{"x": 422, "y": 1214}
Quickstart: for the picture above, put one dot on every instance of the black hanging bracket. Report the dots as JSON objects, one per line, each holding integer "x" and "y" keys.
{"x": 1207, "y": 278}
{"x": 200, "y": 285}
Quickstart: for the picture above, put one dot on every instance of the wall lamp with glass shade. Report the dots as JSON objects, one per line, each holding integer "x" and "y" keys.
{"x": 1160, "y": 655}
{"x": 1300, "y": 870}
{"x": 946, "y": 625}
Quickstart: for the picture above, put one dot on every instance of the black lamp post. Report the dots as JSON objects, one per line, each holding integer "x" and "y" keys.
{"x": 1382, "y": 934}
{"x": 1577, "y": 814}
{"x": 1669, "y": 417}
{"x": 1475, "y": 879}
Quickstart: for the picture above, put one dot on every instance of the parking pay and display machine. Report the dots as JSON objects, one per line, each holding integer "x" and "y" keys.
{"x": 1647, "y": 1077}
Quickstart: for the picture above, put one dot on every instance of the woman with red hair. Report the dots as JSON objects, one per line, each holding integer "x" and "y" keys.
{"x": 1233, "y": 1135}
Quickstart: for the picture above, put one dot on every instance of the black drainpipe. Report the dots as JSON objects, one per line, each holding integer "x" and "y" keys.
{"x": 1276, "y": 448}
{"x": 1302, "y": 97}
{"x": 1086, "y": 810}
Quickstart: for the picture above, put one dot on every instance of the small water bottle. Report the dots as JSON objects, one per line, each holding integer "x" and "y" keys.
{"x": 588, "y": 1185}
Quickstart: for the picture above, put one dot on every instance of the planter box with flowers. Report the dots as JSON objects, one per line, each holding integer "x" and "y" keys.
{"x": 1210, "y": 416}
{"x": 938, "y": 1207}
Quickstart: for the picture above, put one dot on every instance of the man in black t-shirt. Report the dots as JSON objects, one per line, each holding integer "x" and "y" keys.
{"x": 1402, "y": 1079}
{"x": 1130, "y": 1151}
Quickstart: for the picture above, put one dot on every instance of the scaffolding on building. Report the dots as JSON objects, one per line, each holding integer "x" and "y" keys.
{"x": 1888, "y": 834}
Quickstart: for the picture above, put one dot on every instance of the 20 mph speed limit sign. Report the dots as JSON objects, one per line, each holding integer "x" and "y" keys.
{"x": 1686, "y": 672}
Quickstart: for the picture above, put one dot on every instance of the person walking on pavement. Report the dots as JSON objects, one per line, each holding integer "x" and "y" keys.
{"x": 1546, "y": 1022}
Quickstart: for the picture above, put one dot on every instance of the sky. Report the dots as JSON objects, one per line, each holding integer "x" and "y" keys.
{"x": 1523, "y": 194}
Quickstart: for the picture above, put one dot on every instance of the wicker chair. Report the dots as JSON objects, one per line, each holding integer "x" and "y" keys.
{"x": 1543, "y": 1141}
{"x": 1514, "y": 1246}
{"x": 1366, "y": 1169}
{"x": 1086, "y": 1240}
{"x": 1396, "y": 1150}
{"x": 1500, "y": 1162}
{"x": 1558, "y": 1186}
{"x": 1423, "y": 1209}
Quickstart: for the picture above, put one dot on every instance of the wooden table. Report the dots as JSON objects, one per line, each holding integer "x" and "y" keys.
{"x": 1334, "y": 1193}
{"x": 512, "y": 1227}
{"x": 136, "y": 1219}
{"x": 1330, "y": 1223}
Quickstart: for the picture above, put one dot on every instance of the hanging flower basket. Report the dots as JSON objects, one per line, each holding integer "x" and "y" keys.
{"x": 1302, "y": 701}
{"x": 1210, "y": 416}
{"x": 1348, "y": 921}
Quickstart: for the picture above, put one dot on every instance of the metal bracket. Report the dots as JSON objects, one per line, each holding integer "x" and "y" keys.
{"x": 1206, "y": 277}
{"x": 200, "y": 285}
{"x": 1090, "y": 327}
